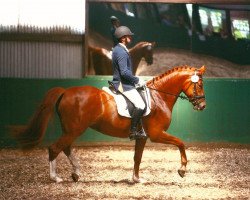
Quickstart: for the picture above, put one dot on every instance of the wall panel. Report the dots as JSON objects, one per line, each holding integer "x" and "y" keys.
{"x": 225, "y": 119}
{"x": 24, "y": 59}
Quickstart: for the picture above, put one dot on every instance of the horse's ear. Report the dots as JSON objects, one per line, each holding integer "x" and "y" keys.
{"x": 153, "y": 44}
{"x": 202, "y": 69}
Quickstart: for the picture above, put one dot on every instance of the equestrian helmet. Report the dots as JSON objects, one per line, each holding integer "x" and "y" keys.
{"x": 114, "y": 18}
{"x": 122, "y": 31}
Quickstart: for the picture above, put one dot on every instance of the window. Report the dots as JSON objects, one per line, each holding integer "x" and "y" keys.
{"x": 189, "y": 10}
{"x": 129, "y": 9}
{"x": 240, "y": 24}
{"x": 211, "y": 19}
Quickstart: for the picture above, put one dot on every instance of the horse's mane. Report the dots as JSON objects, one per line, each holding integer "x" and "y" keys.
{"x": 171, "y": 71}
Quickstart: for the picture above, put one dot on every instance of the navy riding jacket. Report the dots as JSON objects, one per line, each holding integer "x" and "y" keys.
{"x": 122, "y": 69}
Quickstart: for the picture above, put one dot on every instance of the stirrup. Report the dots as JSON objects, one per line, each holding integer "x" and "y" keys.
{"x": 134, "y": 135}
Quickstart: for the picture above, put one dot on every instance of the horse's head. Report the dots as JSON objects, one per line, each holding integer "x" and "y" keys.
{"x": 193, "y": 88}
{"x": 148, "y": 52}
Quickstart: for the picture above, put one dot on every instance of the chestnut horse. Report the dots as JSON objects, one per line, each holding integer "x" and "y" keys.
{"x": 82, "y": 107}
{"x": 100, "y": 61}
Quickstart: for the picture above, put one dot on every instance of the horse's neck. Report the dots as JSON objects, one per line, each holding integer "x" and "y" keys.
{"x": 169, "y": 87}
{"x": 136, "y": 56}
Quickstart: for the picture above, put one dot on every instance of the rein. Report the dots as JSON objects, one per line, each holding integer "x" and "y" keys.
{"x": 194, "y": 99}
{"x": 181, "y": 96}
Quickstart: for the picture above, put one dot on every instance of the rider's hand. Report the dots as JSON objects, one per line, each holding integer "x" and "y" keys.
{"x": 141, "y": 83}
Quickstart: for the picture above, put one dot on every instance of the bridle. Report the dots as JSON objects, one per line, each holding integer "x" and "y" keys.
{"x": 194, "y": 99}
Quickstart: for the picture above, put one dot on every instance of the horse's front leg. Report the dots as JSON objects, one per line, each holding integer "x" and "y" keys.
{"x": 139, "y": 147}
{"x": 166, "y": 138}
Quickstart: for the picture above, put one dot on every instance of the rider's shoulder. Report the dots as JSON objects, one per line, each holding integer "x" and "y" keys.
{"x": 118, "y": 49}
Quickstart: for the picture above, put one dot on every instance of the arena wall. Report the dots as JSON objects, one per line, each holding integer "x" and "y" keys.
{"x": 226, "y": 118}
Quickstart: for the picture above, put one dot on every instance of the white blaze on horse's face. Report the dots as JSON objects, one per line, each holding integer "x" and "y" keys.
{"x": 149, "y": 47}
{"x": 195, "y": 78}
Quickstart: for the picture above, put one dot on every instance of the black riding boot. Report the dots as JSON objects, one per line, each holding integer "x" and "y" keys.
{"x": 136, "y": 117}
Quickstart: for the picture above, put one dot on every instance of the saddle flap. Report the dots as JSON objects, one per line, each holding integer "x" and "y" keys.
{"x": 123, "y": 106}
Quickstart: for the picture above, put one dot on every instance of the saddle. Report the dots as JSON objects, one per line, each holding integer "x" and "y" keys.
{"x": 124, "y": 106}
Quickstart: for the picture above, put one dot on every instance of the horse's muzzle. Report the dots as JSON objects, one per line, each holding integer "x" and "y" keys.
{"x": 199, "y": 102}
{"x": 149, "y": 62}
{"x": 200, "y": 106}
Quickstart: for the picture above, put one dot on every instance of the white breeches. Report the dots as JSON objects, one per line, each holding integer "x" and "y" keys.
{"x": 135, "y": 98}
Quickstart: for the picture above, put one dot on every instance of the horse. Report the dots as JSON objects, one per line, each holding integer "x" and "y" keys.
{"x": 85, "y": 106}
{"x": 100, "y": 60}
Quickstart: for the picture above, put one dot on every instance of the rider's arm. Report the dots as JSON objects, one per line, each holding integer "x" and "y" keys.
{"x": 125, "y": 69}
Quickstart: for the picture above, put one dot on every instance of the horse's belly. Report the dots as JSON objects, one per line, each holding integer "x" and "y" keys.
{"x": 113, "y": 127}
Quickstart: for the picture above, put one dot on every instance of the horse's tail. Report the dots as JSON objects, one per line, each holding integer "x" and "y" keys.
{"x": 31, "y": 135}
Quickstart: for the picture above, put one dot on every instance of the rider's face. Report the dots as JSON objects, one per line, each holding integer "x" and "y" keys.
{"x": 128, "y": 39}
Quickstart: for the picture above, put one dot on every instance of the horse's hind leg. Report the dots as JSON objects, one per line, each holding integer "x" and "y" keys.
{"x": 52, "y": 172}
{"x": 76, "y": 167}
{"x": 62, "y": 143}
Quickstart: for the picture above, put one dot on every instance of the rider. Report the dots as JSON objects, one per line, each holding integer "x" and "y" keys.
{"x": 122, "y": 73}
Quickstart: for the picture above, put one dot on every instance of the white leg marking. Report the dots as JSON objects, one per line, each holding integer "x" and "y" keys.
{"x": 52, "y": 172}
{"x": 74, "y": 163}
{"x": 138, "y": 180}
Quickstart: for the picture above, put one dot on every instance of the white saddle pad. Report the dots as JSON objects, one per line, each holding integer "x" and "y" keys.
{"x": 122, "y": 106}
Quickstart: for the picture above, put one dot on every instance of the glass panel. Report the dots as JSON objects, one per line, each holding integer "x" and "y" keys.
{"x": 211, "y": 20}
{"x": 240, "y": 24}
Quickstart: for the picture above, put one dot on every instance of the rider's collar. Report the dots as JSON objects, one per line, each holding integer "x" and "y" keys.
{"x": 124, "y": 46}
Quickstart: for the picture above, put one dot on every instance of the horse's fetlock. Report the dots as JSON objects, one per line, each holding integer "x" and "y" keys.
{"x": 184, "y": 163}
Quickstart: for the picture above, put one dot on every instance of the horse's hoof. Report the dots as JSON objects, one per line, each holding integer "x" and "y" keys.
{"x": 181, "y": 172}
{"x": 75, "y": 177}
{"x": 56, "y": 179}
{"x": 139, "y": 180}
